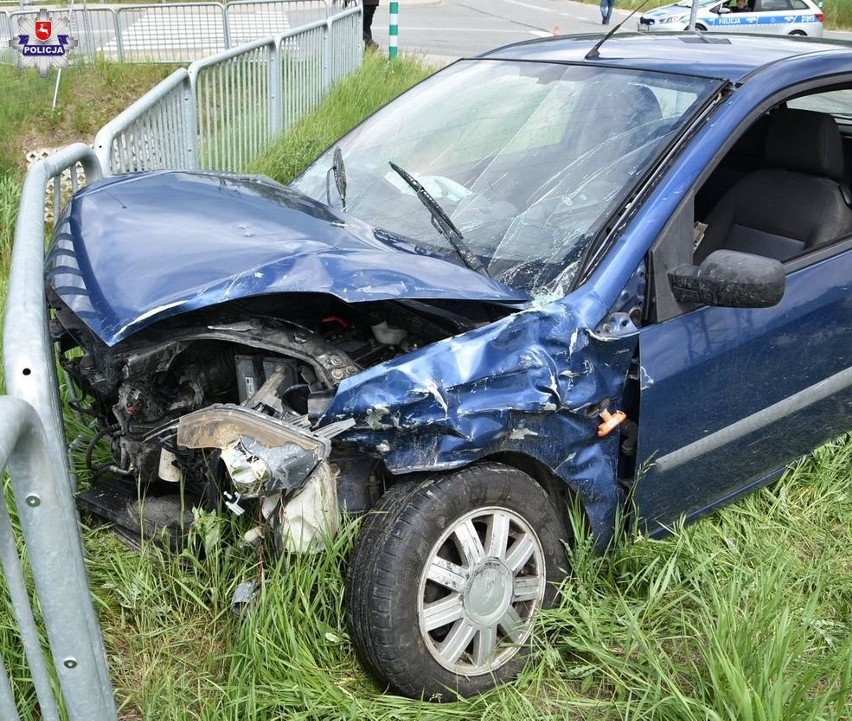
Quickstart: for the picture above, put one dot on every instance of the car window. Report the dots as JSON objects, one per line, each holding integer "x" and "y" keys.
{"x": 798, "y": 5}
{"x": 528, "y": 159}
{"x": 837, "y": 103}
{"x": 770, "y": 5}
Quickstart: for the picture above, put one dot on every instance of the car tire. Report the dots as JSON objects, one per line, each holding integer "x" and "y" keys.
{"x": 799, "y": 33}
{"x": 700, "y": 28}
{"x": 446, "y": 577}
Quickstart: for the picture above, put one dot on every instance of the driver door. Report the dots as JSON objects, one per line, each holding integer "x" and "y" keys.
{"x": 730, "y": 395}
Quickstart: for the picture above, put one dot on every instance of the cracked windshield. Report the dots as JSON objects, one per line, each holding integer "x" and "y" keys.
{"x": 527, "y": 160}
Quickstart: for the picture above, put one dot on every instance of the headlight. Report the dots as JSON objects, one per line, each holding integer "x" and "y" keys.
{"x": 675, "y": 19}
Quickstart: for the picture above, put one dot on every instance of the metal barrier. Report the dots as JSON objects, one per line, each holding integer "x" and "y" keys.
{"x": 32, "y": 437}
{"x": 172, "y": 33}
{"x": 219, "y": 112}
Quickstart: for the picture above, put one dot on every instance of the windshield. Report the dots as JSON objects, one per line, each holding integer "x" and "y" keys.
{"x": 529, "y": 160}
{"x": 701, "y": 3}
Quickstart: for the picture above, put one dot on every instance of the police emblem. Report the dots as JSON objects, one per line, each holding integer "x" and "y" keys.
{"x": 43, "y": 42}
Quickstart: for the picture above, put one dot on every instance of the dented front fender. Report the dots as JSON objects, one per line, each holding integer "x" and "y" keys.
{"x": 531, "y": 383}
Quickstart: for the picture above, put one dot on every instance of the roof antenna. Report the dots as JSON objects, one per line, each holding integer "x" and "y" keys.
{"x": 593, "y": 54}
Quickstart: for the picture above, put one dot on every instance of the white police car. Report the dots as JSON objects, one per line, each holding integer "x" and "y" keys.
{"x": 773, "y": 17}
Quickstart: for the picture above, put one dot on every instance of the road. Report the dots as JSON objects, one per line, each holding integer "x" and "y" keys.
{"x": 456, "y": 28}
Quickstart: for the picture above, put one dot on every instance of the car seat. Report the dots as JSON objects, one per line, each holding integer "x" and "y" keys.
{"x": 799, "y": 203}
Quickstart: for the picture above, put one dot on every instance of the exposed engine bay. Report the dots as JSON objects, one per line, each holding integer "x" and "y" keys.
{"x": 211, "y": 409}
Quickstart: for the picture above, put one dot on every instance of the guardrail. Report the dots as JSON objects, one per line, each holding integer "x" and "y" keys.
{"x": 216, "y": 113}
{"x": 171, "y": 33}
{"x": 32, "y": 438}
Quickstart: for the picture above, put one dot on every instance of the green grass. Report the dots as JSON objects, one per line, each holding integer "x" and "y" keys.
{"x": 347, "y": 105}
{"x": 744, "y": 615}
{"x": 89, "y": 95}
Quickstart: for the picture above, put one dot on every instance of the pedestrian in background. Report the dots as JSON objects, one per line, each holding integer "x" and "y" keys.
{"x": 369, "y": 10}
{"x": 606, "y": 11}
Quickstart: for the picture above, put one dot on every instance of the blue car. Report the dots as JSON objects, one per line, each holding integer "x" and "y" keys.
{"x": 605, "y": 274}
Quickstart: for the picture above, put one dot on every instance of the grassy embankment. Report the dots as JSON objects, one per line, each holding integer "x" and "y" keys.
{"x": 745, "y": 615}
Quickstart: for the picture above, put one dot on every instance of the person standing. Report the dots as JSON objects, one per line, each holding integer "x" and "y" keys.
{"x": 606, "y": 11}
{"x": 369, "y": 10}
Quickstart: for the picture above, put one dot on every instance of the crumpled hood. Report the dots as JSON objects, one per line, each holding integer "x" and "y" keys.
{"x": 132, "y": 250}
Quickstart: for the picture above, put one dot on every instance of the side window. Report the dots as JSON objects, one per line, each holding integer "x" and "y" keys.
{"x": 782, "y": 191}
{"x": 837, "y": 103}
{"x": 798, "y": 5}
{"x": 770, "y": 5}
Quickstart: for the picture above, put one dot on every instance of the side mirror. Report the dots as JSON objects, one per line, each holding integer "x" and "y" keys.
{"x": 730, "y": 279}
{"x": 722, "y": 10}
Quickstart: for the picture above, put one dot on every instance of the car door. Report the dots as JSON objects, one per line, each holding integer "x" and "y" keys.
{"x": 724, "y": 18}
{"x": 773, "y": 17}
{"x": 729, "y": 395}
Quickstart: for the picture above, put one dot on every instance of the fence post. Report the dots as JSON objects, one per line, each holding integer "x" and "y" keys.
{"x": 326, "y": 56}
{"x": 190, "y": 124}
{"x": 119, "y": 44}
{"x": 276, "y": 87}
{"x": 226, "y": 24}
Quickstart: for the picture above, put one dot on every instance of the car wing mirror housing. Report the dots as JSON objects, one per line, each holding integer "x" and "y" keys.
{"x": 730, "y": 279}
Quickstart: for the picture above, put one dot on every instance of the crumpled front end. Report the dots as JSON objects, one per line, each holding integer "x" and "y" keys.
{"x": 532, "y": 384}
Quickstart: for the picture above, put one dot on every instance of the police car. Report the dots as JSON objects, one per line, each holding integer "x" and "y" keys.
{"x": 772, "y": 17}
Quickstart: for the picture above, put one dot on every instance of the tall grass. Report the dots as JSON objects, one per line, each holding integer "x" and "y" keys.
{"x": 838, "y": 14}
{"x": 745, "y": 615}
{"x": 89, "y": 95}
{"x": 347, "y": 105}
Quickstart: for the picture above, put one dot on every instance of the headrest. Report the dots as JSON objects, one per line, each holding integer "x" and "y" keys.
{"x": 641, "y": 102}
{"x": 805, "y": 142}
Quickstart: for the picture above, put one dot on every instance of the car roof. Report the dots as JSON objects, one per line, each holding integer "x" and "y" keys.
{"x": 715, "y": 55}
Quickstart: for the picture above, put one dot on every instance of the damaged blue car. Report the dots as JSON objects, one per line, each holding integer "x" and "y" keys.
{"x": 612, "y": 275}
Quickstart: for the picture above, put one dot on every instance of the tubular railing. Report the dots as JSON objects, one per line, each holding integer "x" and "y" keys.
{"x": 172, "y": 33}
{"x": 218, "y": 113}
{"x": 32, "y": 438}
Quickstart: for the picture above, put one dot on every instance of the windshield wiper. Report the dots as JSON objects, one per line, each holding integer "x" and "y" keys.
{"x": 337, "y": 170}
{"x": 442, "y": 222}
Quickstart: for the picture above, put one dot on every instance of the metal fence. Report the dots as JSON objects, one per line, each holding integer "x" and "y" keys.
{"x": 218, "y": 112}
{"x": 172, "y": 33}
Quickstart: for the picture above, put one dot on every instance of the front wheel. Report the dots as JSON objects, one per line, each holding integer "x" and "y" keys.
{"x": 447, "y": 576}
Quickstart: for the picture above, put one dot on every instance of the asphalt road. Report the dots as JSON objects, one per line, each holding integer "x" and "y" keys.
{"x": 457, "y": 28}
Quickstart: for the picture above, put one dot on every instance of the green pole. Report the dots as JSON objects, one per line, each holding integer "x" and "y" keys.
{"x": 393, "y": 31}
